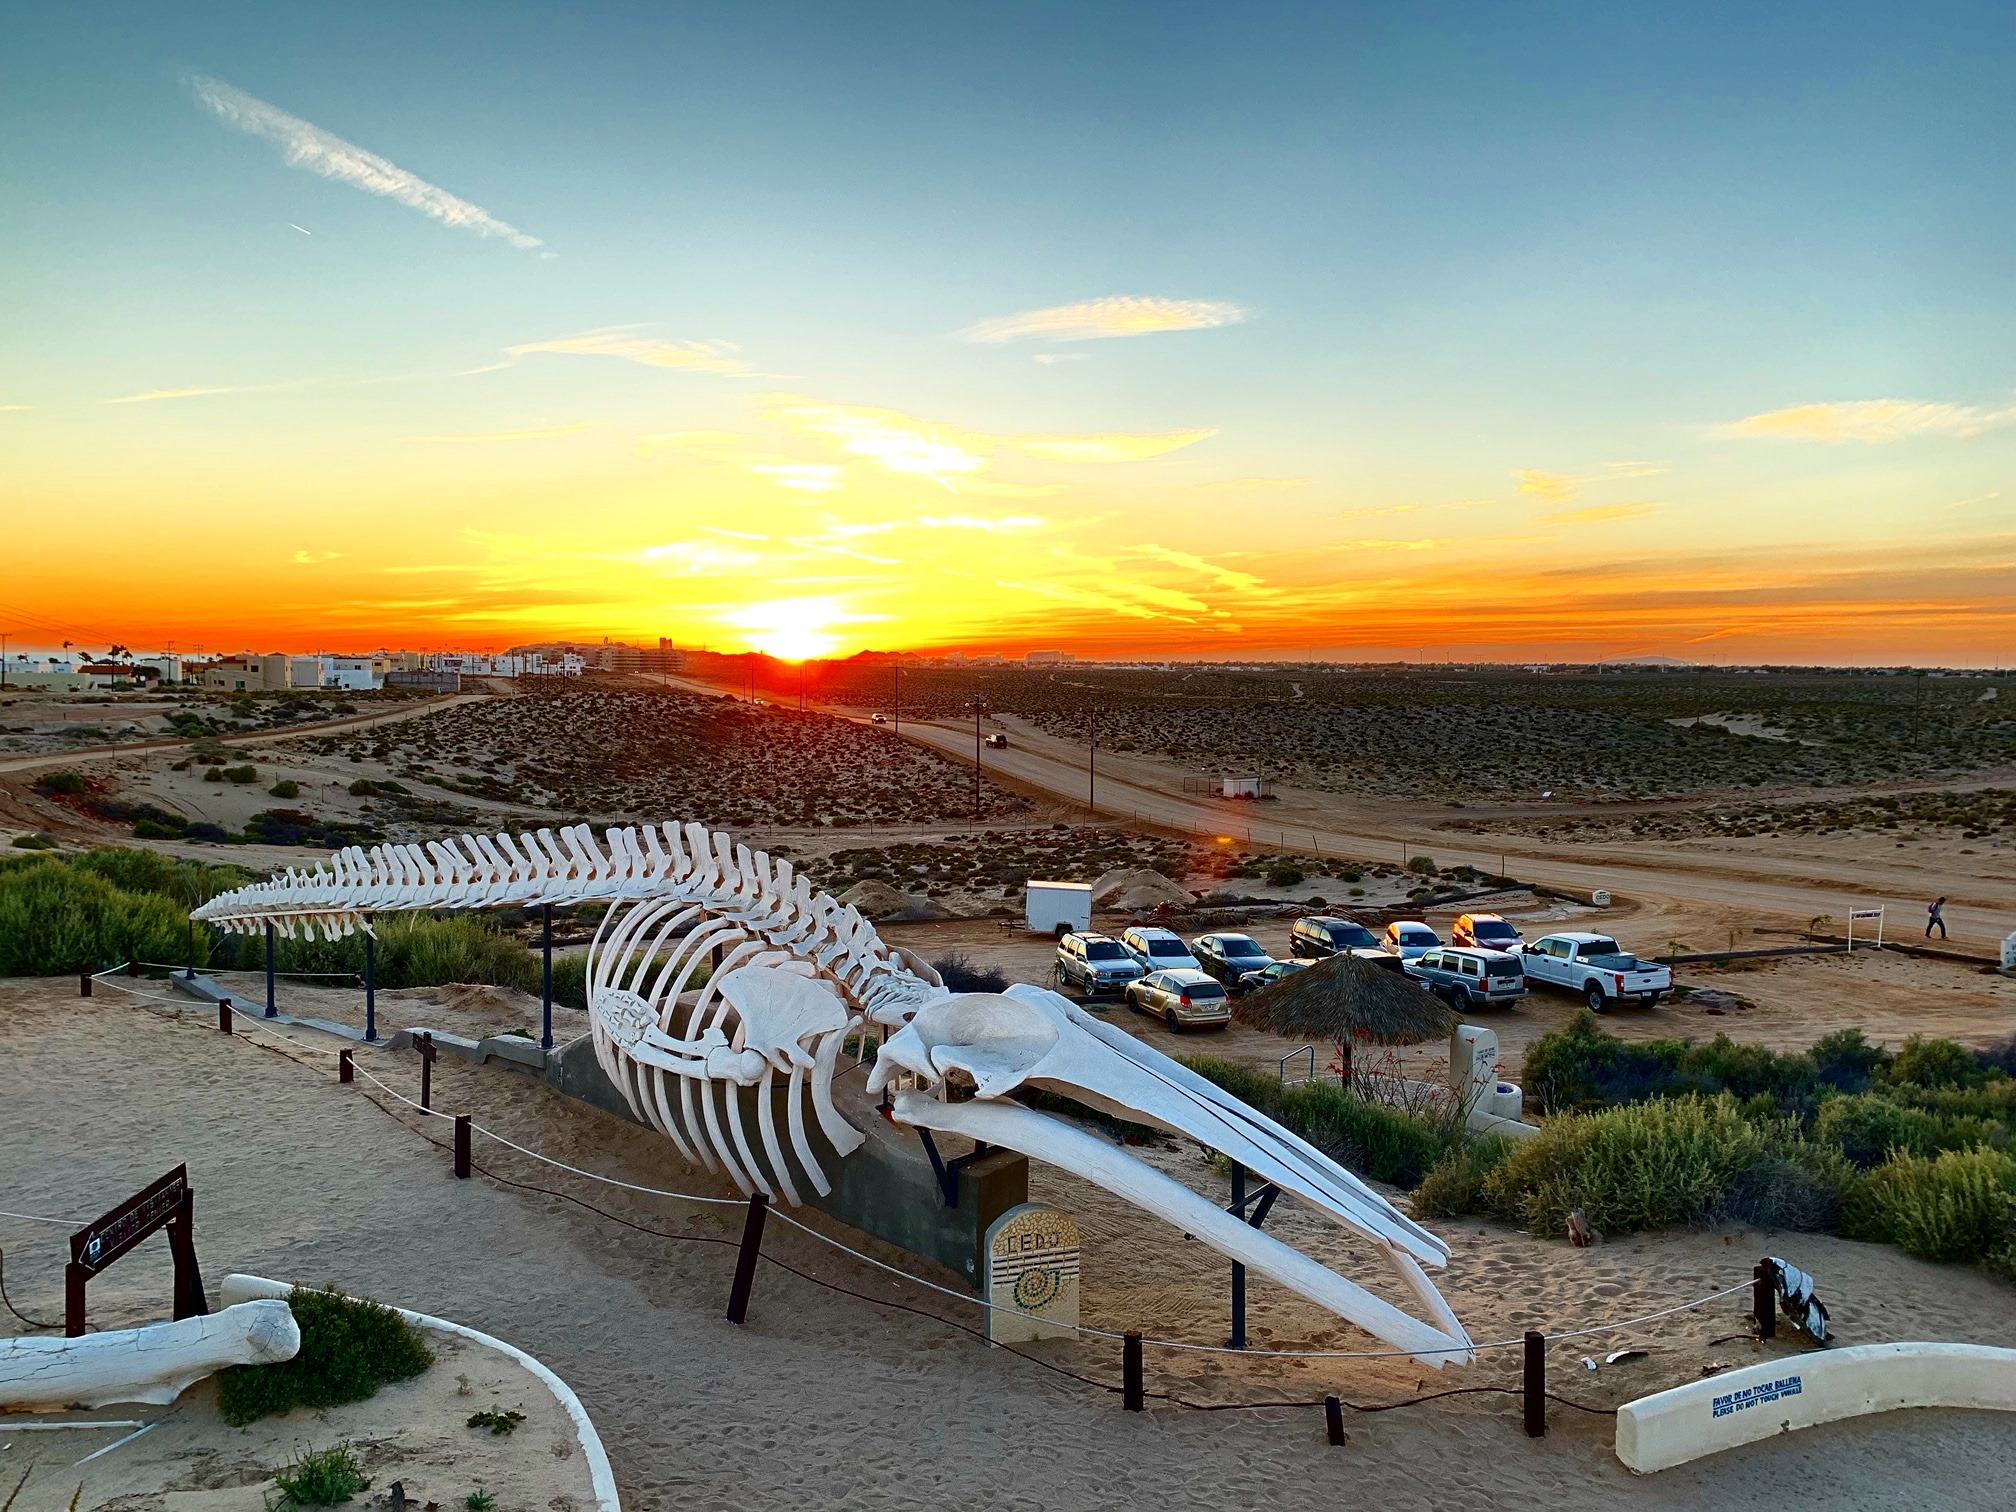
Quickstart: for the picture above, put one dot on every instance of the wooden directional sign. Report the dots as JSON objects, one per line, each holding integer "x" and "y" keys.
{"x": 167, "y": 1203}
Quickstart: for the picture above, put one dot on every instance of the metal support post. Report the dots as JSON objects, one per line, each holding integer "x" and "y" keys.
{"x": 462, "y": 1146}
{"x": 546, "y": 976}
{"x": 1536, "y": 1384}
{"x": 272, "y": 1007}
{"x": 1132, "y": 1394}
{"x": 745, "y": 1260}
{"x": 370, "y": 985}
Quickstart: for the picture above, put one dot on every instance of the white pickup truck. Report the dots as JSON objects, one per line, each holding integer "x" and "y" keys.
{"x": 1595, "y": 966}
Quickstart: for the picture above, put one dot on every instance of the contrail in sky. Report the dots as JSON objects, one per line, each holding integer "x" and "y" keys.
{"x": 302, "y": 229}
{"x": 309, "y": 146}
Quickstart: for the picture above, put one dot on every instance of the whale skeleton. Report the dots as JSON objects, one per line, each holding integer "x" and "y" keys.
{"x": 792, "y": 976}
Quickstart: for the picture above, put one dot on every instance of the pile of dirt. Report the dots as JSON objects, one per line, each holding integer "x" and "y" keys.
{"x": 879, "y": 903}
{"x": 1136, "y": 887}
{"x": 1343, "y": 999}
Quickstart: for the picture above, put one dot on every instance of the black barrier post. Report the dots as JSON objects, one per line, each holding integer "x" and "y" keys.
{"x": 345, "y": 1071}
{"x": 1333, "y": 1421}
{"x": 1131, "y": 1394}
{"x": 224, "y": 1014}
{"x": 546, "y": 976}
{"x": 745, "y": 1260}
{"x": 370, "y": 985}
{"x": 272, "y": 1007}
{"x": 461, "y": 1146}
{"x": 1536, "y": 1384}
{"x": 424, "y": 1043}
{"x": 1764, "y": 1280}
{"x": 132, "y": 966}
{"x": 1238, "y": 1339}
{"x": 83, "y": 981}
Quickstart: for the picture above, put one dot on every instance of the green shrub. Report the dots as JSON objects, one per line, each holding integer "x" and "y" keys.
{"x": 286, "y": 787}
{"x": 1959, "y": 1205}
{"x": 1868, "y": 1128}
{"x": 415, "y": 950}
{"x": 55, "y": 918}
{"x": 155, "y": 829}
{"x": 1285, "y": 876}
{"x": 319, "y": 1478}
{"x": 35, "y": 842}
{"x": 1454, "y": 1185}
{"x": 1796, "y": 1186}
{"x": 214, "y": 774}
{"x": 241, "y": 774}
{"x": 1846, "y": 1061}
{"x": 63, "y": 784}
{"x": 570, "y": 980}
{"x": 1935, "y": 1063}
{"x": 1423, "y": 866}
{"x": 349, "y": 1348}
{"x": 1379, "y": 1142}
{"x": 1648, "y": 1166}
{"x": 189, "y": 883}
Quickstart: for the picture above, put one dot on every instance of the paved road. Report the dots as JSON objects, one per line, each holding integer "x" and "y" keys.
{"x": 1984, "y": 909}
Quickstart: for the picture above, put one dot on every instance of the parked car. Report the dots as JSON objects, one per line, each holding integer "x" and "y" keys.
{"x": 1158, "y": 949}
{"x": 1484, "y": 931}
{"x": 1094, "y": 964}
{"x": 1409, "y": 939}
{"x": 1228, "y": 957}
{"x": 1181, "y": 999}
{"x": 1463, "y": 978}
{"x": 1266, "y": 976}
{"x": 997, "y": 742}
{"x": 1595, "y": 966}
{"x": 879, "y": 718}
{"x": 1315, "y": 936}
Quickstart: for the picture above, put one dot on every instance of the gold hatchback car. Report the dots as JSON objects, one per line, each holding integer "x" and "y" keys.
{"x": 1181, "y": 999}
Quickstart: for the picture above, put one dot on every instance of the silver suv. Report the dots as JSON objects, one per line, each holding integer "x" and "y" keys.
{"x": 1158, "y": 949}
{"x": 1462, "y": 977}
{"x": 1094, "y": 964}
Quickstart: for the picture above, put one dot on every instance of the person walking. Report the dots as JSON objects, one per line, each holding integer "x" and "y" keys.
{"x": 1935, "y": 918}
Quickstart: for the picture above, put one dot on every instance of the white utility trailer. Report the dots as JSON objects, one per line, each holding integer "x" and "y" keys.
{"x": 1058, "y": 908}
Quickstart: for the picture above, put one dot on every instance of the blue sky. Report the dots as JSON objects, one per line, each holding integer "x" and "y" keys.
{"x": 1465, "y": 244}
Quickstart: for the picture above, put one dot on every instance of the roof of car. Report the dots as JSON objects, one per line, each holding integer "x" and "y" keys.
{"x": 1480, "y": 952}
{"x": 1577, "y": 936}
{"x": 1479, "y": 918}
{"x": 1144, "y": 930}
{"x": 1409, "y": 924}
{"x": 1088, "y": 935}
{"x": 1185, "y": 975}
{"x": 1223, "y": 934}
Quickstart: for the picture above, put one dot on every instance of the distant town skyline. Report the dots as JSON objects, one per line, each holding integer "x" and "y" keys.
{"x": 1370, "y": 333}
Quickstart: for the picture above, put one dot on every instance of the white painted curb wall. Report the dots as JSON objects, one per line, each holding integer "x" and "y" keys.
{"x": 243, "y": 1288}
{"x": 1761, "y": 1401}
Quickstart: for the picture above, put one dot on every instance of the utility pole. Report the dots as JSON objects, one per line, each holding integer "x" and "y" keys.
{"x": 979, "y": 708}
{"x": 899, "y": 692}
{"x": 1092, "y": 774}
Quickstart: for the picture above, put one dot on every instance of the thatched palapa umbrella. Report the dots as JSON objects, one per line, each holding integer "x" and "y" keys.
{"x": 1344, "y": 999}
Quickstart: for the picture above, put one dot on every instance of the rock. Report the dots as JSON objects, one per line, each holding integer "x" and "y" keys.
{"x": 1580, "y": 1234}
{"x": 1136, "y": 887}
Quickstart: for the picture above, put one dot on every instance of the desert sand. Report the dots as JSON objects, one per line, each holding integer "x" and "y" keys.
{"x": 830, "y": 1400}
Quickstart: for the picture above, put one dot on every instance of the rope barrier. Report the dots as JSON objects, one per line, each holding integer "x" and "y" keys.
{"x": 36, "y": 1218}
{"x": 968, "y": 1299}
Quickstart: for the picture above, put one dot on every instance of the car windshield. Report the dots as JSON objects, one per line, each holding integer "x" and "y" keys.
{"x": 1350, "y": 936}
{"x": 1418, "y": 937}
{"x": 1104, "y": 950}
{"x": 1239, "y": 945}
{"x": 1175, "y": 949}
{"x": 1198, "y": 990}
{"x": 1493, "y": 929}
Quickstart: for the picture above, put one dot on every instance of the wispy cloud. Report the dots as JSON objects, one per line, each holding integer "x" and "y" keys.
{"x": 545, "y": 434}
{"x": 802, "y": 477}
{"x": 308, "y": 146}
{"x": 1110, "y": 448}
{"x": 1552, "y": 488}
{"x": 651, "y": 351}
{"x": 1595, "y": 514}
{"x": 9, "y": 409}
{"x": 1047, "y": 358}
{"x": 1120, "y": 315}
{"x": 1872, "y": 420}
{"x": 154, "y": 396}
{"x": 1225, "y": 577}
{"x": 995, "y": 525}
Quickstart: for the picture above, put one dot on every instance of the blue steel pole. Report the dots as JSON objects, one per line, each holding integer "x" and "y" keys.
{"x": 546, "y": 977}
{"x": 370, "y": 984}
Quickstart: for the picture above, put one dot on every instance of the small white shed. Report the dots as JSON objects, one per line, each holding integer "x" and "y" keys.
{"x": 1241, "y": 787}
{"x": 1056, "y": 908}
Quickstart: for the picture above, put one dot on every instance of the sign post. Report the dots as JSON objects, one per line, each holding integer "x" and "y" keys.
{"x": 168, "y": 1204}
{"x": 1865, "y": 914}
{"x": 1031, "y": 1282}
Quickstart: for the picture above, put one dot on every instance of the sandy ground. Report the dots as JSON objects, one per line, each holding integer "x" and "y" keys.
{"x": 834, "y": 1401}
{"x": 414, "y": 1432}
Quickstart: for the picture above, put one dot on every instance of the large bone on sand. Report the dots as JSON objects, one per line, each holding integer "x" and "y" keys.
{"x": 151, "y": 1364}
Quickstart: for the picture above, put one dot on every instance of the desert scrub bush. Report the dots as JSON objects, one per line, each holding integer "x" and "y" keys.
{"x": 286, "y": 787}
{"x": 1651, "y": 1165}
{"x": 143, "y": 871}
{"x": 37, "y": 842}
{"x": 241, "y": 774}
{"x": 1454, "y": 1185}
{"x": 1868, "y": 1128}
{"x": 1386, "y": 1144}
{"x": 1793, "y": 1185}
{"x": 63, "y": 784}
{"x": 570, "y": 980}
{"x": 962, "y": 975}
{"x": 319, "y": 1478}
{"x": 416, "y": 950}
{"x": 1959, "y": 1205}
{"x": 1935, "y": 1063}
{"x": 350, "y": 1346}
{"x": 55, "y": 918}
